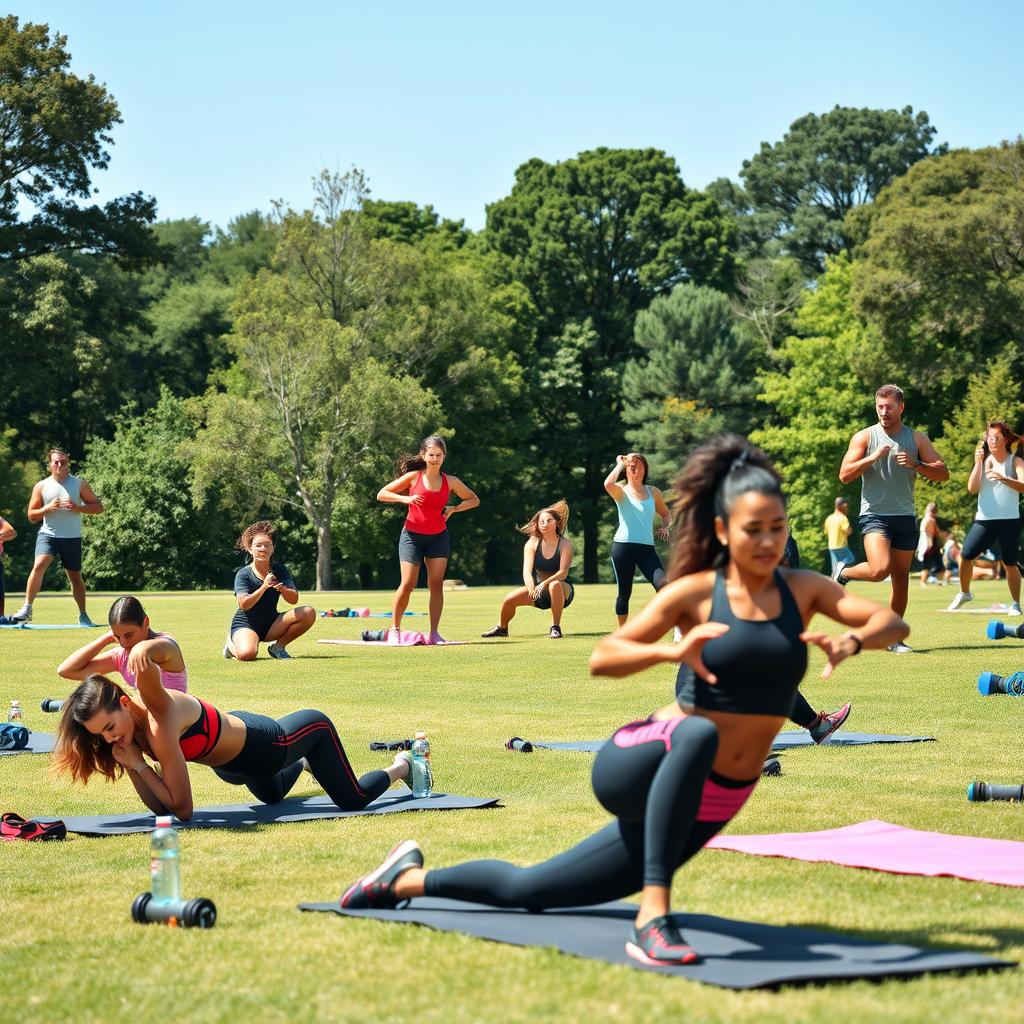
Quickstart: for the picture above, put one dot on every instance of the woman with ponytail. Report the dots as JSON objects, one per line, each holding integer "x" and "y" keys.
{"x": 424, "y": 489}
{"x": 675, "y": 779}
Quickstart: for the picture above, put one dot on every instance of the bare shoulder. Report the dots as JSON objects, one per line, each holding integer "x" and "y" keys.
{"x": 805, "y": 582}
{"x": 692, "y": 589}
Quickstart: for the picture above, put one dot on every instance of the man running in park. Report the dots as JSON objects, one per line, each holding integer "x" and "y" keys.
{"x": 887, "y": 457}
{"x": 58, "y": 504}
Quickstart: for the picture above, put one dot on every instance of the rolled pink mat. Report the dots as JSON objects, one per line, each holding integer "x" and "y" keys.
{"x": 363, "y": 613}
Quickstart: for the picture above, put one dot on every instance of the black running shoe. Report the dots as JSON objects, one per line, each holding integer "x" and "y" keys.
{"x": 496, "y": 631}
{"x": 374, "y": 890}
{"x": 659, "y": 944}
{"x": 555, "y": 633}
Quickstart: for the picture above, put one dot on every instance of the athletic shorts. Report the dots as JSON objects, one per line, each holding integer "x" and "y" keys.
{"x": 543, "y": 599}
{"x": 932, "y": 560}
{"x": 984, "y": 532}
{"x": 414, "y": 547}
{"x": 900, "y": 531}
{"x": 67, "y": 549}
{"x": 259, "y": 624}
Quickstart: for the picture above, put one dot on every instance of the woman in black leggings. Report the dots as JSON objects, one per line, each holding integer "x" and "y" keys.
{"x": 674, "y": 780}
{"x": 104, "y": 730}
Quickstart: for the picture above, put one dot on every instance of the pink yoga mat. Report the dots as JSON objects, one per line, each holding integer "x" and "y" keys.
{"x": 394, "y": 647}
{"x": 882, "y": 846}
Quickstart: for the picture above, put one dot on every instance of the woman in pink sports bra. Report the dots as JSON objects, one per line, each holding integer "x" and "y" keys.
{"x": 138, "y": 646}
{"x": 422, "y": 486}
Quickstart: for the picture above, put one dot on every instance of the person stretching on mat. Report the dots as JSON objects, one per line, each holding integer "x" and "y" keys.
{"x": 674, "y": 780}
{"x": 138, "y": 647}
{"x": 422, "y": 486}
{"x": 257, "y": 587}
{"x": 633, "y": 544}
{"x": 547, "y": 558}
{"x": 104, "y": 730}
{"x": 998, "y": 479}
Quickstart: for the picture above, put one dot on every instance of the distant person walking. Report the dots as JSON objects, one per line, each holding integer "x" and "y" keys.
{"x": 7, "y": 532}
{"x": 58, "y": 504}
{"x": 638, "y": 503}
{"x": 422, "y": 486}
{"x": 887, "y": 458}
{"x": 998, "y": 479}
{"x": 838, "y": 530}
{"x": 929, "y": 546}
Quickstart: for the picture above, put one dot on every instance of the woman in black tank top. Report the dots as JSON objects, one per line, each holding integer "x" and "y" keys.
{"x": 547, "y": 558}
{"x": 675, "y": 779}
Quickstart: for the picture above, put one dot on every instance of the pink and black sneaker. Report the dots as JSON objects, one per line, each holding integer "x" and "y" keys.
{"x": 659, "y": 944}
{"x": 374, "y": 890}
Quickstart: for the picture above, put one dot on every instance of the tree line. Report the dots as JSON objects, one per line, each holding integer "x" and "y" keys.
{"x": 204, "y": 377}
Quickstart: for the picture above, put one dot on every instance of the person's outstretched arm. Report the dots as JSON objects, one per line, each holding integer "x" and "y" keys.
{"x": 89, "y": 660}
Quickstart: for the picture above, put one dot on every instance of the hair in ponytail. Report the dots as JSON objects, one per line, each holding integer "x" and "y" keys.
{"x": 78, "y": 752}
{"x": 559, "y": 512}
{"x": 407, "y": 462}
{"x": 711, "y": 480}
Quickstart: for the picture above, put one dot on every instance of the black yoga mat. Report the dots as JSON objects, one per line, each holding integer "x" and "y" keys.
{"x": 784, "y": 741}
{"x": 293, "y": 809}
{"x": 737, "y": 954}
{"x": 38, "y": 743}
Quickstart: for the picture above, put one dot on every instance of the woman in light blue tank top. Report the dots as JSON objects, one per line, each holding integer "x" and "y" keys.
{"x": 633, "y": 544}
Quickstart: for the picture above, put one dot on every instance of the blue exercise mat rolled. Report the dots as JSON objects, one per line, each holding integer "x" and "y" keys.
{"x": 47, "y": 625}
{"x": 295, "y": 808}
{"x": 736, "y": 954}
{"x": 784, "y": 741}
{"x": 36, "y": 742}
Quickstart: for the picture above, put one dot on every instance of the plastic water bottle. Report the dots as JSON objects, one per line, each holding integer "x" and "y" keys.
{"x": 165, "y": 878}
{"x": 422, "y": 776}
{"x": 14, "y": 716}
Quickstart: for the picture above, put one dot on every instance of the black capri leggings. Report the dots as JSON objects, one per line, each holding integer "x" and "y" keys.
{"x": 627, "y": 557}
{"x": 268, "y": 762}
{"x": 986, "y": 533}
{"x": 654, "y": 787}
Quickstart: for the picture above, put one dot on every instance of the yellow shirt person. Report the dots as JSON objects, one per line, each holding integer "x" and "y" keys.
{"x": 838, "y": 530}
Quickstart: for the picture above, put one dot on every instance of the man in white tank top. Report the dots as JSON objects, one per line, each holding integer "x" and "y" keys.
{"x": 887, "y": 458}
{"x": 58, "y": 504}
{"x": 998, "y": 480}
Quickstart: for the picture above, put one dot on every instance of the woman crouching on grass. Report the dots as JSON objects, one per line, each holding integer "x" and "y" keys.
{"x": 107, "y": 731}
{"x": 674, "y": 780}
{"x": 138, "y": 647}
{"x": 257, "y": 588}
{"x": 547, "y": 559}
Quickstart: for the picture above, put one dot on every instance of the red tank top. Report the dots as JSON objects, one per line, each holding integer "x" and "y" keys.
{"x": 202, "y": 735}
{"x": 427, "y": 517}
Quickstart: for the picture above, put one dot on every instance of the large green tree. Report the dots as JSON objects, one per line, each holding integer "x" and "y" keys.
{"x": 818, "y": 397}
{"x": 595, "y": 239}
{"x": 151, "y": 535}
{"x": 54, "y": 130}
{"x": 825, "y": 166}
{"x": 940, "y": 270}
{"x": 697, "y": 375}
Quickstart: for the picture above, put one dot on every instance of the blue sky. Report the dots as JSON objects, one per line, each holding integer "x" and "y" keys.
{"x": 230, "y": 104}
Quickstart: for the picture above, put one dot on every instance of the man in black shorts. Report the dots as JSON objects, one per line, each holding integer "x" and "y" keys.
{"x": 887, "y": 458}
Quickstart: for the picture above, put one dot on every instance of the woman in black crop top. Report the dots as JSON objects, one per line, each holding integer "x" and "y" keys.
{"x": 673, "y": 780}
{"x": 104, "y": 730}
{"x": 547, "y": 558}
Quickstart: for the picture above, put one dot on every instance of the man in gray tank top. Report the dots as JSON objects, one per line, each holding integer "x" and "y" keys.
{"x": 58, "y": 504}
{"x": 888, "y": 457}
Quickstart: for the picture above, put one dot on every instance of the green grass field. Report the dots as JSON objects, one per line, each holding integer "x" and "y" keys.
{"x": 69, "y": 951}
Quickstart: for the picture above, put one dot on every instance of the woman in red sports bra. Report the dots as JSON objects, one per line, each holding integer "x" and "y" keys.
{"x": 422, "y": 486}
{"x": 104, "y": 730}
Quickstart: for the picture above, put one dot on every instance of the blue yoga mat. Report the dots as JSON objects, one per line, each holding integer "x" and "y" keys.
{"x": 48, "y": 625}
{"x": 38, "y": 743}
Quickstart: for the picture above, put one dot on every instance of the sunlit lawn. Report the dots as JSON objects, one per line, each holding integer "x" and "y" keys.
{"x": 69, "y": 951}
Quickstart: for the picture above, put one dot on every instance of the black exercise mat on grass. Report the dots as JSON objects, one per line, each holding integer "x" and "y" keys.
{"x": 38, "y": 743}
{"x": 784, "y": 741}
{"x": 293, "y": 809}
{"x": 738, "y": 954}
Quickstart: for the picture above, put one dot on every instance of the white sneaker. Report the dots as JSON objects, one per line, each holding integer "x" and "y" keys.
{"x": 23, "y": 614}
{"x": 226, "y": 649}
{"x": 677, "y": 635}
{"x": 1014, "y": 609}
{"x": 899, "y": 648}
{"x": 837, "y": 573}
{"x": 960, "y": 600}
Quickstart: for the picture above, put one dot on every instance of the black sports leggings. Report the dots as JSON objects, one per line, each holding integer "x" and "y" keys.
{"x": 627, "y": 557}
{"x": 654, "y": 788}
{"x": 268, "y": 762}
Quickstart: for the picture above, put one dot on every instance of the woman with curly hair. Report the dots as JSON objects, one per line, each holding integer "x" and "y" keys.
{"x": 547, "y": 558}
{"x": 675, "y": 779}
{"x": 258, "y": 585}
